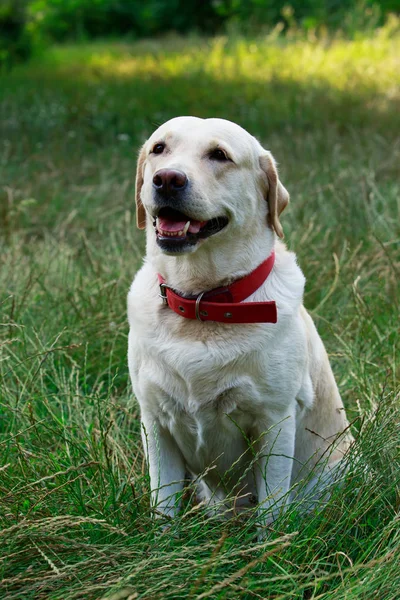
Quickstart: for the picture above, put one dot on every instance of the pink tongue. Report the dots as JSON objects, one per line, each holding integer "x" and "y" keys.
{"x": 175, "y": 226}
{"x": 171, "y": 226}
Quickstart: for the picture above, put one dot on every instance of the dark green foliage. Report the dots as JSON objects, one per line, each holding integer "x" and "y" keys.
{"x": 99, "y": 18}
{"x": 16, "y": 39}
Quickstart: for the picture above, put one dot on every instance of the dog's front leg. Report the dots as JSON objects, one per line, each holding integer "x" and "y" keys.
{"x": 274, "y": 442}
{"x": 166, "y": 467}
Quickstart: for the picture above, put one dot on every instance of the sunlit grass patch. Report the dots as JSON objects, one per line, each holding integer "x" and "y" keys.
{"x": 341, "y": 63}
{"x": 352, "y": 81}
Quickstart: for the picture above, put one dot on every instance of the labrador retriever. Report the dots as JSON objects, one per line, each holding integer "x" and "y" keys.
{"x": 233, "y": 381}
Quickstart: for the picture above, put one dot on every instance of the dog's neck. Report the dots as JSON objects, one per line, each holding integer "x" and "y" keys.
{"x": 215, "y": 263}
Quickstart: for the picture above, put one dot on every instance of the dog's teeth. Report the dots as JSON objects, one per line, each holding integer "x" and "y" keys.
{"x": 186, "y": 228}
{"x": 157, "y": 223}
{"x": 180, "y": 233}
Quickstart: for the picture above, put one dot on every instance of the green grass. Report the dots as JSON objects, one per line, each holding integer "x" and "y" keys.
{"x": 74, "y": 507}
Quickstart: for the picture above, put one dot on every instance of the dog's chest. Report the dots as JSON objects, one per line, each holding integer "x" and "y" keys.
{"x": 191, "y": 374}
{"x": 207, "y": 412}
{"x": 207, "y": 395}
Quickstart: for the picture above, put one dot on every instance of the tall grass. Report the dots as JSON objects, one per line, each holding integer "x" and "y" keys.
{"x": 74, "y": 507}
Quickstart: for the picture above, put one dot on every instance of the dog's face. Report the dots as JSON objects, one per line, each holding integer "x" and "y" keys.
{"x": 199, "y": 179}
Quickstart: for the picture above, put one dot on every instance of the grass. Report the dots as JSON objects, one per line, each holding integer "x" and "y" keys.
{"x": 74, "y": 507}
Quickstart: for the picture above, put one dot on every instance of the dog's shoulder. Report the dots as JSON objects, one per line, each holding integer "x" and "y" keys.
{"x": 143, "y": 296}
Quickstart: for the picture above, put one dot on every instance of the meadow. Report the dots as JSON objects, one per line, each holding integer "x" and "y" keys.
{"x": 74, "y": 491}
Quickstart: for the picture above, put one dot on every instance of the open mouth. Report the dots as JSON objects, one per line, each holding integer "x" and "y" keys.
{"x": 176, "y": 231}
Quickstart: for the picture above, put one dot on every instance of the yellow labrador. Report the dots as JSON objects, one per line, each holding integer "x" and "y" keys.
{"x": 232, "y": 378}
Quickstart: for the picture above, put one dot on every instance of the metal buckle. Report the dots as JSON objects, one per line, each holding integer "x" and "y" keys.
{"x": 197, "y": 307}
{"x": 163, "y": 293}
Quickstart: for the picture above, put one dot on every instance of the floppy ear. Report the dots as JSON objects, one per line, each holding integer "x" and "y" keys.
{"x": 140, "y": 211}
{"x": 277, "y": 195}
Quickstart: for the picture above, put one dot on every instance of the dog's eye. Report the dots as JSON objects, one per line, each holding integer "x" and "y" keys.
{"x": 158, "y": 149}
{"x": 218, "y": 154}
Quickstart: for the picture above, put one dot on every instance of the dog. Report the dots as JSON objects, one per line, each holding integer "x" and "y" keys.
{"x": 233, "y": 381}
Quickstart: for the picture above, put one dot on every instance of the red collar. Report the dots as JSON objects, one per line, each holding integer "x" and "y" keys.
{"x": 226, "y": 305}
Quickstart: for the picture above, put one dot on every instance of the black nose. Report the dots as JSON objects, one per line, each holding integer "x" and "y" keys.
{"x": 168, "y": 181}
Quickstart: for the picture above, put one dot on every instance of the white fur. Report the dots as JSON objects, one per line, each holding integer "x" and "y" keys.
{"x": 206, "y": 389}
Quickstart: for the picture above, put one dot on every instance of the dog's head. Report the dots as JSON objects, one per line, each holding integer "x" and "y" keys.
{"x": 199, "y": 179}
